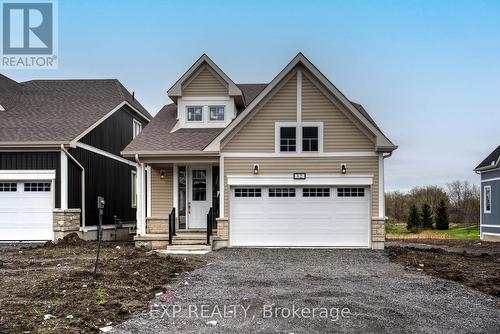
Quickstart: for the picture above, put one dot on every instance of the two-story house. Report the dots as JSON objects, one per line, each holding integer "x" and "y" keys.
{"x": 291, "y": 163}
{"x": 60, "y": 143}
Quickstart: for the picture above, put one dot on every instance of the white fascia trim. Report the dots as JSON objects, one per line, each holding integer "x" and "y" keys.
{"x": 27, "y": 174}
{"x": 489, "y": 225}
{"x": 176, "y": 89}
{"x": 104, "y": 153}
{"x": 382, "y": 140}
{"x": 489, "y": 233}
{"x": 169, "y": 153}
{"x": 492, "y": 179}
{"x": 297, "y": 155}
{"x": 102, "y": 119}
{"x": 287, "y": 180}
{"x": 34, "y": 144}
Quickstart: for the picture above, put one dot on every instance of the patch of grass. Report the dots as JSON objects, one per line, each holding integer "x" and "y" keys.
{"x": 399, "y": 231}
{"x": 462, "y": 233}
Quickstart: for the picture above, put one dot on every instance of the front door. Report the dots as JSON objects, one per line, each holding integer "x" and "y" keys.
{"x": 200, "y": 197}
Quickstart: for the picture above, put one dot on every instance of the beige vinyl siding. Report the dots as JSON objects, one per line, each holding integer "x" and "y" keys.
{"x": 161, "y": 192}
{"x": 258, "y": 134}
{"x": 340, "y": 133}
{"x": 289, "y": 165}
{"x": 205, "y": 83}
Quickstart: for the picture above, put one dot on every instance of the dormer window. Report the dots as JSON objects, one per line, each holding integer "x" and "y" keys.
{"x": 195, "y": 114}
{"x": 217, "y": 113}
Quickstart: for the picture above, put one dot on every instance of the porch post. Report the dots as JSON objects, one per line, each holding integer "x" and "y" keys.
{"x": 141, "y": 200}
{"x": 221, "y": 186}
{"x": 175, "y": 198}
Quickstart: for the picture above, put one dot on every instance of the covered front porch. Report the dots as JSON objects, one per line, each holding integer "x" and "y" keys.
{"x": 178, "y": 202}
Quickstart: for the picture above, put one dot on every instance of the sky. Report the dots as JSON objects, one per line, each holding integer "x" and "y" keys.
{"x": 428, "y": 72}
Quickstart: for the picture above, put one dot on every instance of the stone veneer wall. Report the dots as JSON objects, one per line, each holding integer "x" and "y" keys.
{"x": 223, "y": 228}
{"x": 66, "y": 222}
{"x": 378, "y": 234}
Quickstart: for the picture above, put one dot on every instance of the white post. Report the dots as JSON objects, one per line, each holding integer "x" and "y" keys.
{"x": 381, "y": 192}
{"x": 175, "y": 198}
{"x": 64, "y": 181}
{"x": 141, "y": 224}
{"x": 149, "y": 192}
{"x": 222, "y": 186}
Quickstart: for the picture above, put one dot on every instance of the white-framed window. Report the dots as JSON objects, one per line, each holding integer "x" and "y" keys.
{"x": 217, "y": 113}
{"x": 8, "y": 187}
{"x": 247, "y": 192}
{"x": 310, "y": 139}
{"x": 316, "y": 192}
{"x": 281, "y": 192}
{"x": 288, "y": 139}
{"x": 195, "y": 114}
{"x": 36, "y": 186}
{"x": 133, "y": 188}
{"x": 136, "y": 128}
{"x": 291, "y": 137}
{"x": 487, "y": 199}
{"x": 351, "y": 192}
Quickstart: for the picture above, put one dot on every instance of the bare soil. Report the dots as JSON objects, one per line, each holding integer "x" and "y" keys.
{"x": 471, "y": 263}
{"x": 57, "y": 280}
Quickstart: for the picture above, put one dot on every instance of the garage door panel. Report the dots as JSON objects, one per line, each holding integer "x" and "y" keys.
{"x": 26, "y": 216}
{"x": 299, "y": 221}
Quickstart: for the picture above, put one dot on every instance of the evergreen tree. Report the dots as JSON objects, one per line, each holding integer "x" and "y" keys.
{"x": 442, "y": 218}
{"x": 413, "y": 223}
{"x": 426, "y": 216}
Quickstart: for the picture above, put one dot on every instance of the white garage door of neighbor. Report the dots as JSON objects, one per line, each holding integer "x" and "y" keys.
{"x": 300, "y": 216}
{"x": 26, "y": 210}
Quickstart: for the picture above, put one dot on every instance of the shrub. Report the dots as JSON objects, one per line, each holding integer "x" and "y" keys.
{"x": 426, "y": 216}
{"x": 442, "y": 217}
{"x": 413, "y": 223}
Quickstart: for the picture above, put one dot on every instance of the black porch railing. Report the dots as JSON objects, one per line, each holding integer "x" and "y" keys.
{"x": 210, "y": 224}
{"x": 171, "y": 226}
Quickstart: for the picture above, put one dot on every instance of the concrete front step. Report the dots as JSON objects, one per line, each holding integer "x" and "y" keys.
{"x": 176, "y": 241}
{"x": 190, "y": 248}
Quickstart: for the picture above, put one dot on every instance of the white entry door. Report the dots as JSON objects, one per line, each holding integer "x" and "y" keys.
{"x": 300, "y": 216}
{"x": 26, "y": 210}
{"x": 200, "y": 196}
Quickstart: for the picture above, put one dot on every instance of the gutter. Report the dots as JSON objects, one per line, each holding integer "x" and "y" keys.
{"x": 82, "y": 185}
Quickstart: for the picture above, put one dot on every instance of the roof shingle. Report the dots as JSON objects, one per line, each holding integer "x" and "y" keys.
{"x": 491, "y": 160}
{"x": 57, "y": 110}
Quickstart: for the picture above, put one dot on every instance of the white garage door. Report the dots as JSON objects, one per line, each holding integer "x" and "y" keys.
{"x": 26, "y": 210}
{"x": 300, "y": 216}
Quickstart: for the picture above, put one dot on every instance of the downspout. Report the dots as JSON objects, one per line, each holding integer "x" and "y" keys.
{"x": 82, "y": 184}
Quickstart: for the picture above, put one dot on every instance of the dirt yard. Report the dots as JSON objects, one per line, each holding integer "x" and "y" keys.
{"x": 50, "y": 289}
{"x": 472, "y": 263}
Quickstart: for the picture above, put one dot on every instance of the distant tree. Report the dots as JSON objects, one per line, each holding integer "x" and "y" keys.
{"x": 442, "y": 217}
{"x": 426, "y": 216}
{"x": 464, "y": 202}
{"x": 413, "y": 223}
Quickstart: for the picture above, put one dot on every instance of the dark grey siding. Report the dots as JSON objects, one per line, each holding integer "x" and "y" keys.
{"x": 114, "y": 133}
{"x": 492, "y": 218}
{"x": 34, "y": 160}
{"x": 108, "y": 178}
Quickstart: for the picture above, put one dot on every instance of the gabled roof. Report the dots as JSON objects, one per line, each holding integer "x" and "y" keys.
{"x": 58, "y": 111}
{"x": 382, "y": 142}
{"x": 156, "y": 137}
{"x": 491, "y": 161}
{"x": 176, "y": 89}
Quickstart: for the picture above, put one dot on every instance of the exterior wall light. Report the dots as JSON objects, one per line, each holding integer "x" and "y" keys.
{"x": 256, "y": 169}
{"x": 162, "y": 174}
{"x": 343, "y": 168}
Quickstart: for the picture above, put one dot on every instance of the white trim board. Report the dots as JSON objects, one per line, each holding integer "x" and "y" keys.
{"x": 490, "y": 180}
{"x": 297, "y": 154}
{"x": 28, "y": 174}
{"x": 489, "y": 225}
{"x": 287, "y": 179}
{"x": 104, "y": 153}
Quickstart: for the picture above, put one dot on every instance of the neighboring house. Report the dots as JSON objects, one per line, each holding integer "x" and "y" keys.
{"x": 289, "y": 163}
{"x": 489, "y": 169}
{"x": 60, "y": 143}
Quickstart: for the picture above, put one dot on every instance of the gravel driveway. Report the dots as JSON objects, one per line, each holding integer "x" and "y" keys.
{"x": 376, "y": 296}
